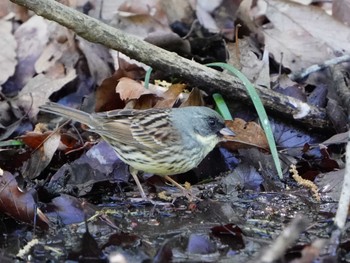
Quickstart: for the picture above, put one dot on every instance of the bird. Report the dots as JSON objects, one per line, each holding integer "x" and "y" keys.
{"x": 158, "y": 141}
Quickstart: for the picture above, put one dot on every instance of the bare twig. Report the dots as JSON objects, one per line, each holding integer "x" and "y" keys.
{"x": 343, "y": 207}
{"x": 341, "y": 80}
{"x": 206, "y": 78}
{"x": 314, "y": 68}
{"x": 288, "y": 236}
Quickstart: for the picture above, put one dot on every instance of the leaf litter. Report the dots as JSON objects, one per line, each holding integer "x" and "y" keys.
{"x": 67, "y": 178}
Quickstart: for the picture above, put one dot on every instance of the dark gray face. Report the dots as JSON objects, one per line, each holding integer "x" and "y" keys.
{"x": 199, "y": 120}
{"x": 209, "y": 124}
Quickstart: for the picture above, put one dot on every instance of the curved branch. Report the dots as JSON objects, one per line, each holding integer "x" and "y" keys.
{"x": 206, "y": 78}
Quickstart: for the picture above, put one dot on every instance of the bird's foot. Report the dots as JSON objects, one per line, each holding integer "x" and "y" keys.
{"x": 148, "y": 200}
{"x": 188, "y": 193}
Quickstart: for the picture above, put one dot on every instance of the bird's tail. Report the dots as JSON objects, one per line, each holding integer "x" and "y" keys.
{"x": 67, "y": 112}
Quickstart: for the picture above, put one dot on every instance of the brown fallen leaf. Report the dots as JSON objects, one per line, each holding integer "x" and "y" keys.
{"x": 129, "y": 89}
{"x": 8, "y": 45}
{"x": 39, "y": 89}
{"x": 42, "y": 156}
{"x": 17, "y": 203}
{"x": 31, "y": 38}
{"x": 141, "y": 18}
{"x": 146, "y": 101}
{"x": 36, "y": 139}
{"x": 106, "y": 96}
{"x": 248, "y": 135}
{"x": 61, "y": 50}
{"x": 98, "y": 59}
{"x": 171, "y": 96}
{"x": 256, "y": 69}
{"x": 135, "y": 95}
{"x": 305, "y": 35}
{"x": 194, "y": 99}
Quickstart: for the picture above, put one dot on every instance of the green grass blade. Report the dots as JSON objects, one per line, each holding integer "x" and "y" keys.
{"x": 147, "y": 77}
{"x": 11, "y": 143}
{"x": 221, "y": 106}
{"x": 260, "y": 110}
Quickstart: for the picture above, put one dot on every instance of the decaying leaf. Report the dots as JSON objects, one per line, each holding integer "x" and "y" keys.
{"x": 194, "y": 99}
{"x": 68, "y": 209}
{"x": 99, "y": 164}
{"x": 8, "y": 46}
{"x": 129, "y": 89}
{"x": 17, "y": 203}
{"x": 31, "y": 37}
{"x": 61, "y": 50}
{"x": 170, "y": 96}
{"x": 36, "y": 139}
{"x": 98, "y": 59}
{"x": 42, "y": 156}
{"x": 141, "y": 18}
{"x": 305, "y": 35}
{"x": 248, "y": 135}
{"x": 248, "y": 62}
{"x": 38, "y": 90}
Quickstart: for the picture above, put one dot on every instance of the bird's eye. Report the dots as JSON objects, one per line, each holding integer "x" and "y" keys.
{"x": 212, "y": 122}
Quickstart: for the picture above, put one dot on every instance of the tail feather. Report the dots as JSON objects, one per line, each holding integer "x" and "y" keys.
{"x": 69, "y": 113}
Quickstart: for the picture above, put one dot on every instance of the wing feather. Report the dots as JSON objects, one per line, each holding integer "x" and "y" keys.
{"x": 151, "y": 129}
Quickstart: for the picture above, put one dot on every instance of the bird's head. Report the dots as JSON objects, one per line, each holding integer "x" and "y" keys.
{"x": 205, "y": 124}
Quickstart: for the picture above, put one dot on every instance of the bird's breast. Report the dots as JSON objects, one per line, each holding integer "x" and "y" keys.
{"x": 178, "y": 157}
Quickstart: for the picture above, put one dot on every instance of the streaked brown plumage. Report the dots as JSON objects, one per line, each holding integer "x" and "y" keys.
{"x": 159, "y": 141}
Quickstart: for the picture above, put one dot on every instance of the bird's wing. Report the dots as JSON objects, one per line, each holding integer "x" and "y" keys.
{"x": 154, "y": 129}
{"x": 117, "y": 130}
{"x": 151, "y": 129}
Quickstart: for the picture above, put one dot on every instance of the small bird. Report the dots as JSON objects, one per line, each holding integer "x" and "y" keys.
{"x": 159, "y": 141}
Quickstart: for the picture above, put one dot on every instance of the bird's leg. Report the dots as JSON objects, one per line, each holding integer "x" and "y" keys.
{"x": 186, "y": 192}
{"x": 133, "y": 173}
{"x": 171, "y": 180}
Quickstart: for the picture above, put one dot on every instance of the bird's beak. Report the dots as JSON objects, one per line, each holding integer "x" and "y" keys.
{"x": 227, "y": 132}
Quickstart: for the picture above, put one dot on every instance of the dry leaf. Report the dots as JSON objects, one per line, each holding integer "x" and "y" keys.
{"x": 255, "y": 69}
{"x": 129, "y": 89}
{"x": 42, "y": 156}
{"x": 248, "y": 135}
{"x": 341, "y": 11}
{"x": 31, "y": 37}
{"x": 17, "y": 203}
{"x": 177, "y": 10}
{"x": 141, "y": 18}
{"x": 36, "y": 139}
{"x": 61, "y": 50}
{"x": 8, "y": 46}
{"x": 106, "y": 96}
{"x": 171, "y": 96}
{"x": 194, "y": 99}
{"x": 98, "y": 58}
{"x": 39, "y": 89}
{"x": 305, "y": 35}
